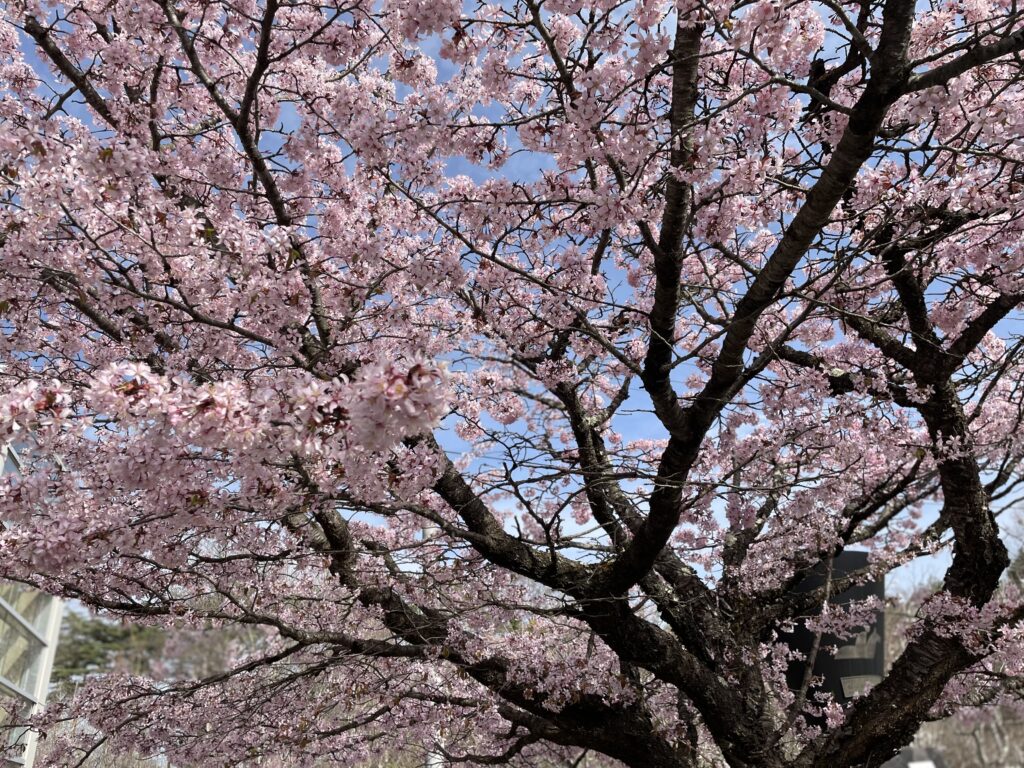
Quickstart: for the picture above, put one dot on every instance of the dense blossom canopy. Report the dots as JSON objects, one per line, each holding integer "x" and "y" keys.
{"x": 506, "y": 364}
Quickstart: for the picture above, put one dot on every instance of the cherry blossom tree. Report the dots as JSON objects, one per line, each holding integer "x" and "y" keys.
{"x": 506, "y": 365}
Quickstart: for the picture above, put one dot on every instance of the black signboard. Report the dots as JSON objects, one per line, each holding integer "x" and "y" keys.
{"x": 859, "y": 662}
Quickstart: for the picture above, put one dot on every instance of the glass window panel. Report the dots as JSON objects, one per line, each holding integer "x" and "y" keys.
{"x": 9, "y": 708}
{"x": 32, "y": 605}
{"x": 19, "y": 654}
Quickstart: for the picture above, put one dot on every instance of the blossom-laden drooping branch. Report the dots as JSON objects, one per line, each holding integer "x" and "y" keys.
{"x": 505, "y": 366}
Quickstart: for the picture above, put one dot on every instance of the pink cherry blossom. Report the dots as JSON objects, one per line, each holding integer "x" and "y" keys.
{"x": 498, "y": 371}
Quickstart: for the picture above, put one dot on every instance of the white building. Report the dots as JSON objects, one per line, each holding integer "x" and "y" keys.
{"x": 29, "y": 626}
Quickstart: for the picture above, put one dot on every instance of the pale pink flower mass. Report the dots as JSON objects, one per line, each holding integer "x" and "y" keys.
{"x": 503, "y": 367}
